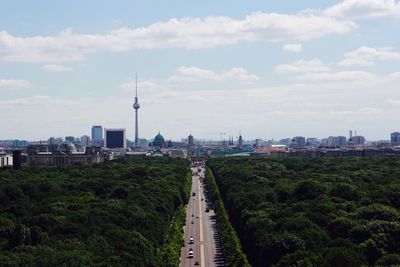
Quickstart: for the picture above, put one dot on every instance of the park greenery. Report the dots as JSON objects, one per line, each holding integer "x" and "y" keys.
{"x": 313, "y": 212}
{"x": 230, "y": 243}
{"x": 121, "y": 213}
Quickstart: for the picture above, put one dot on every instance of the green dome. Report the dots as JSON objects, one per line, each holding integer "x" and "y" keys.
{"x": 159, "y": 140}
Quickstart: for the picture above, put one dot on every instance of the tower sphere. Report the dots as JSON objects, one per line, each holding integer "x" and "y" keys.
{"x": 136, "y": 105}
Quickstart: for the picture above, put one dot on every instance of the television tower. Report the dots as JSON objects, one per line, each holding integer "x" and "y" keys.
{"x": 136, "y": 107}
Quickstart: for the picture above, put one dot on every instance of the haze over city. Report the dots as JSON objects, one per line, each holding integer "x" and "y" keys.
{"x": 270, "y": 69}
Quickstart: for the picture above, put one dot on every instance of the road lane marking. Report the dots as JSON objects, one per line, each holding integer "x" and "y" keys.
{"x": 202, "y": 261}
{"x": 200, "y": 219}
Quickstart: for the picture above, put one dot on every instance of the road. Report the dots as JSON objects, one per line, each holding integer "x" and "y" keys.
{"x": 206, "y": 245}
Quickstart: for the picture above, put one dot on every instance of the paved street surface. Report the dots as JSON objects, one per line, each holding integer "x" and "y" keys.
{"x": 206, "y": 242}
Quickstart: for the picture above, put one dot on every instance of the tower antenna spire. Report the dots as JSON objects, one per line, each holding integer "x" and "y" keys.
{"x": 136, "y": 84}
{"x": 136, "y": 107}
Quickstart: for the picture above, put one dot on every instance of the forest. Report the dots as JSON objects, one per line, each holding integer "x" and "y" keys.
{"x": 120, "y": 213}
{"x": 313, "y": 212}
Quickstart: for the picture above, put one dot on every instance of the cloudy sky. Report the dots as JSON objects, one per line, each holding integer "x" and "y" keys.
{"x": 270, "y": 69}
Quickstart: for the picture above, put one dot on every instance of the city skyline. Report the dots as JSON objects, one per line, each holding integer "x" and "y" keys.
{"x": 271, "y": 70}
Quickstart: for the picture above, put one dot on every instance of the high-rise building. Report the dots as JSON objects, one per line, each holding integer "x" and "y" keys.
{"x": 312, "y": 141}
{"x": 97, "y": 135}
{"x": 299, "y": 141}
{"x": 395, "y": 139}
{"x": 359, "y": 140}
{"x": 190, "y": 141}
{"x": 337, "y": 141}
{"x": 85, "y": 140}
{"x": 114, "y": 138}
{"x": 70, "y": 139}
{"x": 55, "y": 141}
{"x": 136, "y": 107}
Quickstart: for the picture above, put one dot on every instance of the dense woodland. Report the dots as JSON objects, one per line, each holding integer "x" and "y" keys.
{"x": 313, "y": 212}
{"x": 230, "y": 243}
{"x": 113, "y": 214}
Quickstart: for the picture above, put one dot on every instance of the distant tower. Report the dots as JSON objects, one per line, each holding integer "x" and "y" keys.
{"x": 240, "y": 141}
{"x": 351, "y": 141}
{"x": 190, "y": 141}
{"x": 136, "y": 107}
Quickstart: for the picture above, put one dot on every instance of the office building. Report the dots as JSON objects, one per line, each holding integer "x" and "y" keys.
{"x": 115, "y": 138}
{"x": 299, "y": 142}
{"x": 70, "y": 139}
{"x": 395, "y": 139}
{"x": 359, "y": 140}
{"x": 55, "y": 141}
{"x": 337, "y": 141}
{"x": 85, "y": 140}
{"x": 312, "y": 141}
{"x": 97, "y": 135}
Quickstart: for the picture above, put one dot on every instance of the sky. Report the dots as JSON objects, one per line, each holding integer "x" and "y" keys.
{"x": 267, "y": 69}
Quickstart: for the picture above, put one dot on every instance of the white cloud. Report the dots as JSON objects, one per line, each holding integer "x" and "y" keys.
{"x": 301, "y": 108}
{"x": 188, "y": 74}
{"x": 336, "y": 76}
{"x": 393, "y": 101}
{"x": 28, "y": 101}
{"x": 359, "y": 9}
{"x": 188, "y": 32}
{"x": 56, "y": 68}
{"x": 314, "y": 65}
{"x": 294, "y": 48}
{"x": 366, "y": 56}
{"x": 14, "y": 84}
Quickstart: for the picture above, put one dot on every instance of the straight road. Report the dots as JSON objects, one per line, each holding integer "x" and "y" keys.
{"x": 206, "y": 243}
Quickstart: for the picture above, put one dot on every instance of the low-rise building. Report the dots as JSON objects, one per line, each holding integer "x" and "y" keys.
{"x": 66, "y": 154}
{"x": 6, "y": 160}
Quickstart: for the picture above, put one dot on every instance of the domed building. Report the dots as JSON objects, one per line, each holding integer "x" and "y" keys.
{"x": 66, "y": 147}
{"x": 159, "y": 142}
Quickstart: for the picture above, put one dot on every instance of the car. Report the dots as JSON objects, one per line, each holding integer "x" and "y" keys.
{"x": 196, "y": 263}
{"x": 190, "y": 254}
{"x": 192, "y": 222}
{"x": 192, "y": 215}
{"x": 207, "y": 210}
{"x": 191, "y": 240}
{"x": 206, "y": 200}
{"x": 202, "y": 199}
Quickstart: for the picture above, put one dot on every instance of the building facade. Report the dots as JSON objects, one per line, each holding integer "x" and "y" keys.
{"x": 395, "y": 139}
{"x": 97, "y": 135}
{"x": 6, "y": 160}
{"x": 65, "y": 155}
{"x": 115, "y": 138}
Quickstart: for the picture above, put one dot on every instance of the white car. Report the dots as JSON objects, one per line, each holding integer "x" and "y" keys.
{"x": 190, "y": 255}
{"x": 191, "y": 240}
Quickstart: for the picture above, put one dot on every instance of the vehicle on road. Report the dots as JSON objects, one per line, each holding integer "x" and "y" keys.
{"x": 192, "y": 222}
{"x": 193, "y": 194}
{"x": 190, "y": 254}
{"x": 207, "y": 210}
{"x": 202, "y": 199}
{"x": 196, "y": 263}
{"x": 191, "y": 240}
